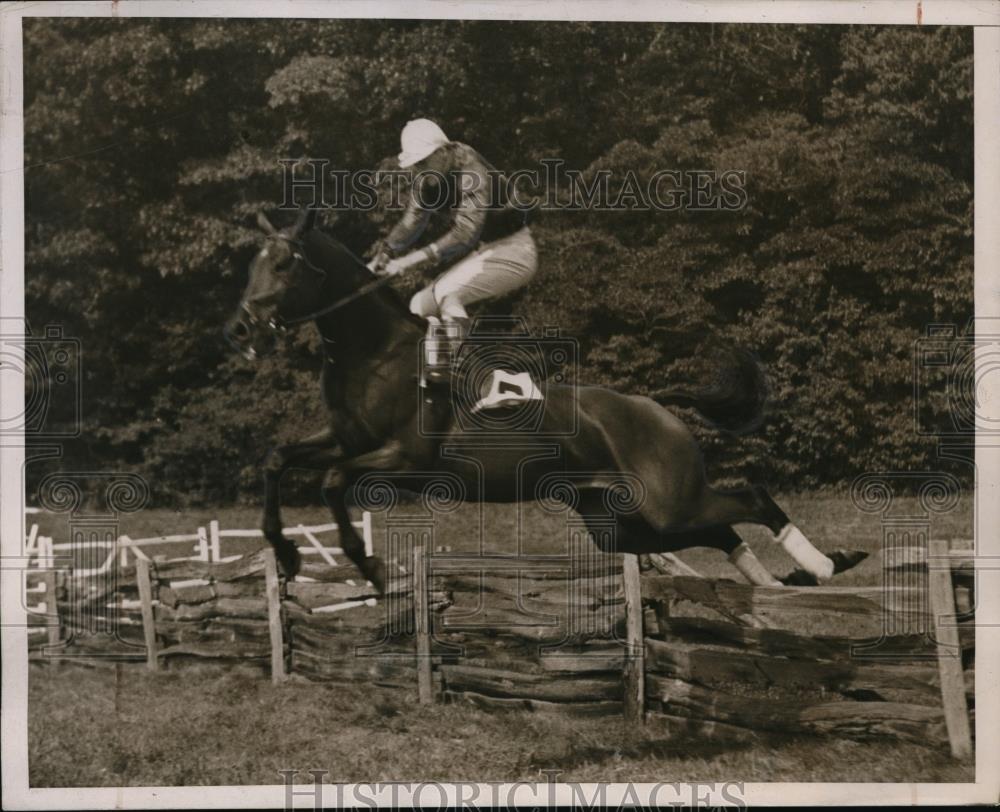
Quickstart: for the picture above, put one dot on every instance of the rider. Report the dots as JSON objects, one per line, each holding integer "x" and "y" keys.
{"x": 488, "y": 249}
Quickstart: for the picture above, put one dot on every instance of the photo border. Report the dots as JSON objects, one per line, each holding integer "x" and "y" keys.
{"x": 986, "y": 18}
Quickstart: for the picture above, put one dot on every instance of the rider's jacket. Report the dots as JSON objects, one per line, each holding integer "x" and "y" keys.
{"x": 456, "y": 183}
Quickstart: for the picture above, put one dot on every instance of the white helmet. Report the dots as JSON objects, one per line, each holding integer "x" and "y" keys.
{"x": 420, "y": 138}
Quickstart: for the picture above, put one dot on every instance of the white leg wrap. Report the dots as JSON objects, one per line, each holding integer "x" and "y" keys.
{"x": 746, "y": 562}
{"x": 807, "y": 556}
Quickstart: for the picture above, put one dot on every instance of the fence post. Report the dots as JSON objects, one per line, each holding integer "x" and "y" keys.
{"x": 215, "y": 541}
{"x": 202, "y": 548}
{"x": 148, "y": 622}
{"x": 366, "y": 532}
{"x": 421, "y": 614}
{"x": 634, "y": 672}
{"x": 54, "y": 638}
{"x": 949, "y": 650}
{"x": 46, "y": 553}
{"x": 274, "y": 616}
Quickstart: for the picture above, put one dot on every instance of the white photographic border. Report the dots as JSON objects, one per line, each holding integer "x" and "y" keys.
{"x": 984, "y": 15}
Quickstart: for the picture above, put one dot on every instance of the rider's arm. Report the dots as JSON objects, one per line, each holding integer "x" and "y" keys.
{"x": 411, "y": 225}
{"x": 469, "y": 218}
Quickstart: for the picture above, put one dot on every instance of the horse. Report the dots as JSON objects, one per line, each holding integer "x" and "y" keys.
{"x": 373, "y": 400}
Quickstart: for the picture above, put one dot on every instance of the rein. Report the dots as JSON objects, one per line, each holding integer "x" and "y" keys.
{"x": 364, "y": 290}
{"x": 277, "y": 323}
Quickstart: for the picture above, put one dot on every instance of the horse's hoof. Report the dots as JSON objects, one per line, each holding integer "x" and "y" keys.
{"x": 289, "y": 560}
{"x": 799, "y": 577}
{"x": 842, "y": 560}
{"x": 846, "y": 559}
{"x": 374, "y": 570}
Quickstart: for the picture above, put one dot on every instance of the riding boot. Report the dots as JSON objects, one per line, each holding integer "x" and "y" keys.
{"x": 444, "y": 339}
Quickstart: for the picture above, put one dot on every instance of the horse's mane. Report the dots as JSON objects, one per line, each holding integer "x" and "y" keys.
{"x": 335, "y": 257}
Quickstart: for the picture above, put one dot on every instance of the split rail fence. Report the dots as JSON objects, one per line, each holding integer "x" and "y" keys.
{"x": 697, "y": 656}
{"x": 83, "y": 600}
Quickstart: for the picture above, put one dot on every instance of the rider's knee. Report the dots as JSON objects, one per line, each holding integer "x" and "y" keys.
{"x": 452, "y": 308}
{"x": 423, "y": 303}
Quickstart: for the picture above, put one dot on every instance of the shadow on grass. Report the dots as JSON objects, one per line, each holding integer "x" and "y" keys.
{"x": 666, "y": 749}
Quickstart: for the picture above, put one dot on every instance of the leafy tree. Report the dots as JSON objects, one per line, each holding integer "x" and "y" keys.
{"x": 150, "y": 145}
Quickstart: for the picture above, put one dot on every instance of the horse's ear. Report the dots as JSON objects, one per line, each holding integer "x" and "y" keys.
{"x": 305, "y": 222}
{"x": 265, "y": 224}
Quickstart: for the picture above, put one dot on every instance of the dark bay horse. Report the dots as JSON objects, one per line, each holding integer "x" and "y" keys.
{"x": 370, "y": 388}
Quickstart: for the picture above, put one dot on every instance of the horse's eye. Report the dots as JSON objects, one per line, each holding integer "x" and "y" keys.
{"x": 286, "y": 266}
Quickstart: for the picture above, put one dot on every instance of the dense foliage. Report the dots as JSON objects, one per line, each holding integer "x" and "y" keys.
{"x": 151, "y": 144}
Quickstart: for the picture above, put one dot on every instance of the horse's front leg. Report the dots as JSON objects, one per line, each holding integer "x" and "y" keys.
{"x": 316, "y": 452}
{"x": 338, "y": 479}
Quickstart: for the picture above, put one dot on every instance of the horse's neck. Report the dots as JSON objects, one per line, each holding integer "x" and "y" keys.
{"x": 366, "y": 330}
{"x": 360, "y": 335}
{"x": 358, "y": 374}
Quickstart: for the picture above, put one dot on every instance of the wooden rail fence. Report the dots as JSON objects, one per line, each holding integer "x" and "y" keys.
{"x": 94, "y": 613}
{"x": 806, "y": 670}
{"x": 699, "y": 656}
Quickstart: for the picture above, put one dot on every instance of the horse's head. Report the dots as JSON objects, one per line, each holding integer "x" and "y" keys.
{"x": 284, "y": 286}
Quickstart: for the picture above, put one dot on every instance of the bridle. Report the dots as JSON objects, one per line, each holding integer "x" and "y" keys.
{"x": 279, "y": 325}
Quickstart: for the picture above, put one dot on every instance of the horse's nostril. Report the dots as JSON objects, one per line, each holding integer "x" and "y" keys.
{"x": 239, "y": 331}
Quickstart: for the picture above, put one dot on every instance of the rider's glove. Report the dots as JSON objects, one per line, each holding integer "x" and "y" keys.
{"x": 414, "y": 258}
{"x": 379, "y": 254}
{"x": 378, "y": 264}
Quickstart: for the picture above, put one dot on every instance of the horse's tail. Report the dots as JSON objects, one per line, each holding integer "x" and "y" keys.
{"x": 735, "y": 399}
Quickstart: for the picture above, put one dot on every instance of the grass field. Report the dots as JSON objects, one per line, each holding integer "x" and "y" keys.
{"x": 208, "y": 726}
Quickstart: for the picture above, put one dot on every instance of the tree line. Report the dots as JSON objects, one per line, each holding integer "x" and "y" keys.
{"x": 150, "y": 146}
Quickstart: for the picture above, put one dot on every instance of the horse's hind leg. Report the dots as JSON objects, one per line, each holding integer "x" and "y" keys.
{"x": 633, "y": 534}
{"x": 724, "y": 538}
{"x": 755, "y": 506}
{"x": 638, "y": 537}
